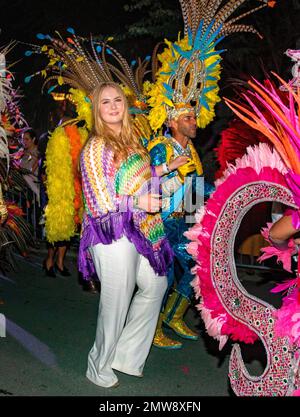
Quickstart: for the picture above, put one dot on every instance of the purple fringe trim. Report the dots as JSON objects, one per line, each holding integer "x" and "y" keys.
{"x": 111, "y": 227}
{"x": 153, "y": 172}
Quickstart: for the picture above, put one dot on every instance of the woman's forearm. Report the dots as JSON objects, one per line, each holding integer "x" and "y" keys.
{"x": 282, "y": 229}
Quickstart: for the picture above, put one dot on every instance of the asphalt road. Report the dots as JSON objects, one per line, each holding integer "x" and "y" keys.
{"x": 50, "y": 327}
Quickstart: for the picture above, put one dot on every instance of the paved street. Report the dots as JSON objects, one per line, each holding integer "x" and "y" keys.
{"x": 51, "y": 326}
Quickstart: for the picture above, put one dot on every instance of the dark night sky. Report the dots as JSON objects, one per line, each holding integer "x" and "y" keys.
{"x": 23, "y": 19}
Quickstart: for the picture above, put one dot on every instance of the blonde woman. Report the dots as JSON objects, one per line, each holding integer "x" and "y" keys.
{"x": 122, "y": 240}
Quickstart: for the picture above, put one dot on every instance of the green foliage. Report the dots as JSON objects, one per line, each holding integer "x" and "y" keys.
{"x": 154, "y": 18}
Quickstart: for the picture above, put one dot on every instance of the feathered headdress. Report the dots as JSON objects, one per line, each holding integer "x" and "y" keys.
{"x": 190, "y": 67}
{"x": 82, "y": 64}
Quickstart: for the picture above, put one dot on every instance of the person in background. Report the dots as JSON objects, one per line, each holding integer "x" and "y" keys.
{"x": 29, "y": 161}
{"x": 53, "y": 264}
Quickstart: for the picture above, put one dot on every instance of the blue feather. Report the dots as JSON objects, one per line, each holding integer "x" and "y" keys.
{"x": 204, "y": 103}
{"x": 197, "y": 42}
{"x": 211, "y": 66}
{"x": 71, "y": 30}
{"x": 219, "y": 40}
{"x": 98, "y": 48}
{"x": 168, "y": 88}
{"x": 28, "y": 79}
{"x": 28, "y": 53}
{"x": 169, "y": 96}
{"x": 184, "y": 54}
{"x": 210, "y": 78}
{"x": 51, "y": 89}
{"x": 207, "y": 89}
{"x": 208, "y": 30}
{"x": 205, "y": 56}
{"x": 135, "y": 110}
{"x": 214, "y": 35}
{"x": 174, "y": 66}
{"x": 40, "y": 36}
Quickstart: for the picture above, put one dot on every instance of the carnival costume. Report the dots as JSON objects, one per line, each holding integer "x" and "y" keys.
{"x": 125, "y": 246}
{"x": 264, "y": 174}
{"x": 15, "y": 233}
{"x": 113, "y": 228}
{"x": 187, "y": 82}
{"x": 81, "y": 65}
{"x": 163, "y": 151}
{"x": 69, "y": 63}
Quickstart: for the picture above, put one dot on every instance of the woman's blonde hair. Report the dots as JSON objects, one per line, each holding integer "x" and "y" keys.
{"x": 127, "y": 139}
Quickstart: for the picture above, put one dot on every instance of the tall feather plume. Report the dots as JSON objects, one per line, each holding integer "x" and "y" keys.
{"x": 95, "y": 55}
{"x": 227, "y": 29}
{"x": 154, "y": 61}
{"x": 227, "y": 10}
{"x": 243, "y": 15}
{"x": 77, "y": 66}
{"x": 210, "y": 11}
{"x": 84, "y": 68}
{"x": 92, "y": 71}
{"x": 282, "y": 128}
{"x": 194, "y": 15}
{"x": 140, "y": 73}
{"x": 125, "y": 69}
{"x": 229, "y": 24}
{"x": 193, "y": 11}
{"x": 185, "y": 10}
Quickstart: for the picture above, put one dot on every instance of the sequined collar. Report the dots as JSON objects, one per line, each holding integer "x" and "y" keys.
{"x": 180, "y": 150}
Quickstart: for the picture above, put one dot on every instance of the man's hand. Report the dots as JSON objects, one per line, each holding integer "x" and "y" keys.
{"x": 186, "y": 169}
{"x": 178, "y": 162}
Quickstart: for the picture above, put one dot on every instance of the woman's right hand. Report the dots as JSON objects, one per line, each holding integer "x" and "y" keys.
{"x": 149, "y": 202}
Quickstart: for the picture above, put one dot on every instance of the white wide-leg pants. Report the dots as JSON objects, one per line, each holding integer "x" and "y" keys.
{"x": 124, "y": 348}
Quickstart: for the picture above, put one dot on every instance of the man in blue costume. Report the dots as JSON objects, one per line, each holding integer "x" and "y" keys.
{"x": 162, "y": 151}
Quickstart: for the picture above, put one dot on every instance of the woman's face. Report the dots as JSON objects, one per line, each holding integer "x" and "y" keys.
{"x": 111, "y": 107}
{"x": 27, "y": 141}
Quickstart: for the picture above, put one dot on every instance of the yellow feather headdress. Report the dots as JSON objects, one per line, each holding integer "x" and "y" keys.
{"x": 190, "y": 67}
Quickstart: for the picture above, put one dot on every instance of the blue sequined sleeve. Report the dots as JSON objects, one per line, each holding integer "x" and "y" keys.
{"x": 158, "y": 154}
